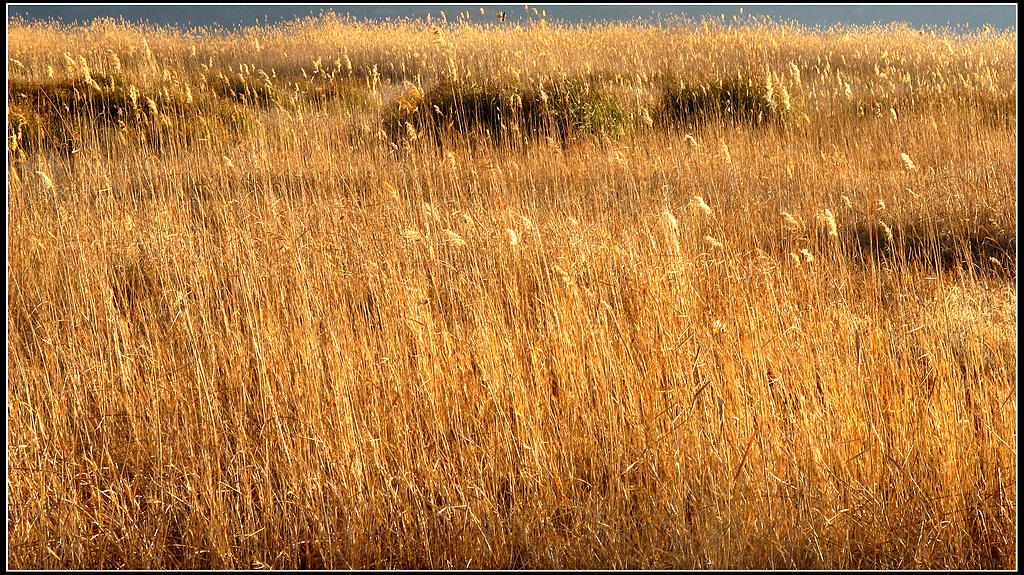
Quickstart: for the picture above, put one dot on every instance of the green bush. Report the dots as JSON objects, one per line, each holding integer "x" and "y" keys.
{"x": 236, "y": 119}
{"x": 580, "y": 106}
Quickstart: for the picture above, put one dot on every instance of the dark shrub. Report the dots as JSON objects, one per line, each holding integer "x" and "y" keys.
{"x": 987, "y": 247}
{"x": 736, "y": 101}
{"x": 53, "y": 114}
{"x": 261, "y": 94}
{"x": 503, "y": 112}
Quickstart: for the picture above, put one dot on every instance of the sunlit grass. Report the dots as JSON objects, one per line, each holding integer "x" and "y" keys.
{"x": 268, "y": 306}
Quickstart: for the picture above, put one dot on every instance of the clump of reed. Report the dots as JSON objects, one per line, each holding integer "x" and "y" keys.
{"x": 505, "y": 112}
{"x": 733, "y": 100}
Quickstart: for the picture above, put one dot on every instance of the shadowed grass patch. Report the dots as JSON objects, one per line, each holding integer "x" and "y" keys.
{"x": 52, "y": 114}
{"x": 260, "y": 93}
{"x": 106, "y": 98}
{"x": 56, "y": 115}
{"x": 563, "y": 110}
{"x": 996, "y": 110}
{"x": 733, "y": 100}
{"x": 334, "y": 94}
{"x": 984, "y": 248}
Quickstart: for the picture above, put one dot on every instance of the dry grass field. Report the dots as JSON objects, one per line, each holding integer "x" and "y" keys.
{"x": 444, "y": 295}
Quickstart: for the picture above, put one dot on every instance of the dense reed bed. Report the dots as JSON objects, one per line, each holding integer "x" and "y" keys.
{"x": 447, "y": 295}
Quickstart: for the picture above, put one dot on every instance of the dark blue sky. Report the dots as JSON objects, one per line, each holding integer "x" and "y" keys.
{"x": 966, "y": 17}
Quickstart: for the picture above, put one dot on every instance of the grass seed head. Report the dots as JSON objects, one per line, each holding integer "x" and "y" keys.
{"x": 830, "y": 223}
{"x": 701, "y": 206}
{"x": 671, "y": 221}
{"x": 454, "y": 238}
{"x": 528, "y": 224}
{"x": 886, "y": 231}
{"x": 412, "y": 235}
{"x": 430, "y": 212}
{"x": 47, "y": 182}
{"x": 725, "y": 151}
{"x": 645, "y": 116}
{"x": 564, "y": 275}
